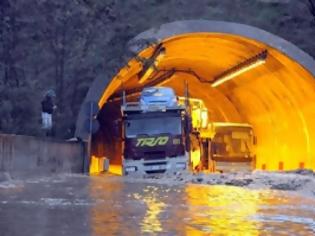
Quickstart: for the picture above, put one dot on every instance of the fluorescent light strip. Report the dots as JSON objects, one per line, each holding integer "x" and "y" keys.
{"x": 246, "y": 65}
{"x": 237, "y": 73}
{"x": 147, "y": 74}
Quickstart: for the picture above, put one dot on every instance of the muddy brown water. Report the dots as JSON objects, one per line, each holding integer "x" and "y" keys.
{"x": 111, "y": 205}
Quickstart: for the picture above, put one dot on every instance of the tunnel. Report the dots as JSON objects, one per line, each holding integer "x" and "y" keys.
{"x": 277, "y": 97}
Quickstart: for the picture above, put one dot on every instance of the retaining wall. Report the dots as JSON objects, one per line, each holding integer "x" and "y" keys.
{"x": 25, "y": 156}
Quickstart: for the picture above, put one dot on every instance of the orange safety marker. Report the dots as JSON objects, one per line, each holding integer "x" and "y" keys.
{"x": 281, "y": 165}
{"x": 301, "y": 165}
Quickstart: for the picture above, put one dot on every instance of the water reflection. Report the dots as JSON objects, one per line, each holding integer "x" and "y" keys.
{"x": 107, "y": 205}
{"x": 151, "y": 222}
{"x": 222, "y": 210}
{"x": 106, "y": 213}
{"x": 132, "y": 208}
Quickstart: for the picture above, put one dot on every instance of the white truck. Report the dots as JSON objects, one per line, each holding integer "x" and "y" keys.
{"x": 154, "y": 133}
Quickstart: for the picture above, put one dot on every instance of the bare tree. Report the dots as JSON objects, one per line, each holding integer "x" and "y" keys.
{"x": 311, "y": 4}
{"x": 9, "y": 41}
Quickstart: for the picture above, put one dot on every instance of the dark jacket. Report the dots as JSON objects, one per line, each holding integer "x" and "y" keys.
{"x": 47, "y": 105}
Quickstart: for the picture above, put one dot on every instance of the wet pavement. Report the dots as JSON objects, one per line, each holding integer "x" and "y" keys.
{"x": 110, "y": 205}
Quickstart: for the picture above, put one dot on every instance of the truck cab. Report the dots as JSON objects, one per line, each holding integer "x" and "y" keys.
{"x": 154, "y": 133}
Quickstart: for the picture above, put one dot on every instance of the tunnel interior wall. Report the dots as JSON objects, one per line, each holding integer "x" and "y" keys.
{"x": 107, "y": 142}
{"x": 277, "y": 99}
{"x": 25, "y": 156}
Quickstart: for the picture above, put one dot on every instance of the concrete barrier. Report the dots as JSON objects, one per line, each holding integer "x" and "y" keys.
{"x": 25, "y": 156}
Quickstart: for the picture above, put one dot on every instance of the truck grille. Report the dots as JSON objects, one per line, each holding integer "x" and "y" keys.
{"x": 155, "y": 171}
{"x": 154, "y": 155}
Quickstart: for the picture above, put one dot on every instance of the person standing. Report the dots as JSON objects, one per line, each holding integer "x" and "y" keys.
{"x": 48, "y": 108}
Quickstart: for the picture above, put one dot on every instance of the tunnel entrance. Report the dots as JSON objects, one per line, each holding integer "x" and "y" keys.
{"x": 276, "y": 98}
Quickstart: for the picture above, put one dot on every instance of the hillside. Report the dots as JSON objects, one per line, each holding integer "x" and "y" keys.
{"x": 65, "y": 45}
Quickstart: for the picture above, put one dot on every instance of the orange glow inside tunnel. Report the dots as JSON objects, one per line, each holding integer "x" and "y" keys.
{"x": 277, "y": 97}
{"x": 235, "y": 221}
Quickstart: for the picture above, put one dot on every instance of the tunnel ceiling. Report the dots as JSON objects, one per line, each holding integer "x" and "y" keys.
{"x": 276, "y": 98}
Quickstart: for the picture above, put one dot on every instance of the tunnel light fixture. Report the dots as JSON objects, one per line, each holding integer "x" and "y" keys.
{"x": 147, "y": 74}
{"x": 150, "y": 65}
{"x": 241, "y": 68}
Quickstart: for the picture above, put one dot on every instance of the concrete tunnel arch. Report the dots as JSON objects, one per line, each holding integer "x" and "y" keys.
{"x": 277, "y": 98}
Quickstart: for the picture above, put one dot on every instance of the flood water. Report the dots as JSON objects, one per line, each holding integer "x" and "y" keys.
{"x": 105, "y": 205}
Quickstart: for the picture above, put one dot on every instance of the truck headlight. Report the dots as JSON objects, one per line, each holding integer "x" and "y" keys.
{"x": 131, "y": 169}
{"x": 181, "y": 165}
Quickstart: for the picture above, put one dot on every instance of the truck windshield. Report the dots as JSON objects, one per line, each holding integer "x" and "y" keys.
{"x": 153, "y": 126}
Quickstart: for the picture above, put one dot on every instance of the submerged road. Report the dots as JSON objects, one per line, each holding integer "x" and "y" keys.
{"x": 109, "y": 205}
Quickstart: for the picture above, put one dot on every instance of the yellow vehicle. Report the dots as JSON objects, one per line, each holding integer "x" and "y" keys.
{"x": 198, "y": 112}
{"x": 218, "y": 146}
{"x": 199, "y": 129}
{"x": 233, "y": 146}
